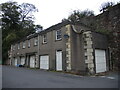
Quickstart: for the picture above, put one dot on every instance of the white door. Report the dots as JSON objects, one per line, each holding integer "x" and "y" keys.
{"x": 59, "y": 60}
{"x": 22, "y": 60}
{"x": 32, "y": 61}
{"x": 44, "y": 62}
{"x": 15, "y": 61}
{"x": 100, "y": 60}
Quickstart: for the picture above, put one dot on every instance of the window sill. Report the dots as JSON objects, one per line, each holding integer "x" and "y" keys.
{"x": 44, "y": 43}
{"x": 35, "y": 45}
{"x": 58, "y": 40}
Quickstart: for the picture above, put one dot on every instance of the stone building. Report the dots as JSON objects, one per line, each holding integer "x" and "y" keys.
{"x": 63, "y": 47}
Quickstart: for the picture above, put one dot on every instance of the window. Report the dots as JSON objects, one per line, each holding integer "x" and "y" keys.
{"x": 24, "y": 44}
{"x": 28, "y": 43}
{"x": 36, "y": 41}
{"x": 45, "y": 38}
{"x": 58, "y": 35}
{"x": 18, "y": 45}
{"x": 13, "y": 47}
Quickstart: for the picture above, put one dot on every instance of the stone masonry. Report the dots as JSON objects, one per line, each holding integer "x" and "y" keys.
{"x": 87, "y": 36}
{"x": 68, "y": 49}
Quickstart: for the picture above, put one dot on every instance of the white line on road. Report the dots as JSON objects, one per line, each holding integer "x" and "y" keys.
{"x": 107, "y": 77}
{"x": 111, "y": 77}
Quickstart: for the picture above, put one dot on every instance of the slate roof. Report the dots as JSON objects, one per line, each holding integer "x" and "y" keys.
{"x": 53, "y": 27}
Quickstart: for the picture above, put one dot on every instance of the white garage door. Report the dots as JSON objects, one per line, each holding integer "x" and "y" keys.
{"x": 100, "y": 59}
{"x": 44, "y": 62}
{"x": 59, "y": 60}
{"x": 15, "y": 61}
{"x": 22, "y": 60}
{"x": 32, "y": 61}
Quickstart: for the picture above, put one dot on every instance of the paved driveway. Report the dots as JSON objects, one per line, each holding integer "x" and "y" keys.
{"x": 15, "y": 77}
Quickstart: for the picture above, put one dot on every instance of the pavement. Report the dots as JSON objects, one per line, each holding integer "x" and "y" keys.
{"x": 0, "y": 77}
{"x": 16, "y": 77}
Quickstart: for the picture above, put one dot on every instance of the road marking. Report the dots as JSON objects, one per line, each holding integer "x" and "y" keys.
{"x": 103, "y": 76}
{"x": 111, "y": 77}
{"x": 107, "y": 77}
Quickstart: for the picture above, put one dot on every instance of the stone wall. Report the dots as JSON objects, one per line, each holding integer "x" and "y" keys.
{"x": 88, "y": 48}
{"x": 68, "y": 49}
{"x": 109, "y": 23}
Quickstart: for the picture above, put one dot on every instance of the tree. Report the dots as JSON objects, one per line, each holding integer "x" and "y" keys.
{"x": 85, "y": 17}
{"x": 105, "y": 6}
{"x": 26, "y": 11}
{"x": 17, "y": 22}
{"x": 77, "y": 15}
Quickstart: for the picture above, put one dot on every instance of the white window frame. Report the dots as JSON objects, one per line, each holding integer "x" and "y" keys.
{"x": 29, "y": 44}
{"x": 45, "y": 38}
{"x": 18, "y": 45}
{"x": 58, "y": 34}
{"x": 13, "y": 47}
{"x": 24, "y": 44}
{"x": 35, "y": 41}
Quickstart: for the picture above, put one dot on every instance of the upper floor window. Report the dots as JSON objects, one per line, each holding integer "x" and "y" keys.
{"x": 24, "y": 44}
{"x": 58, "y": 35}
{"x": 18, "y": 45}
{"x": 35, "y": 41}
{"x": 13, "y": 47}
{"x": 28, "y": 43}
{"x": 44, "y": 38}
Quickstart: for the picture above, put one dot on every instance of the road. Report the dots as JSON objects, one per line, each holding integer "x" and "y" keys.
{"x": 16, "y": 77}
{"x": 0, "y": 77}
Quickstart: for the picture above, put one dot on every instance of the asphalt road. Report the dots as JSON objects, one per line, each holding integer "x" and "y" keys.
{"x": 16, "y": 77}
{"x": 0, "y": 77}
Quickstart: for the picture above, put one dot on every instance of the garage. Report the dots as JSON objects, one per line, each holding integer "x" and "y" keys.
{"x": 59, "y": 60}
{"x": 32, "y": 61}
{"x": 44, "y": 62}
{"x": 22, "y": 60}
{"x": 100, "y": 60}
{"x": 15, "y": 61}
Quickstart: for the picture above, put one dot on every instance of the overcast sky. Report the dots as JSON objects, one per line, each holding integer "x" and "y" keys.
{"x": 53, "y": 11}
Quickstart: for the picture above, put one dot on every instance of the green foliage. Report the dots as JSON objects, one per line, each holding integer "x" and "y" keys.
{"x": 77, "y": 15}
{"x": 11, "y": 37}
{"x": 103, "y": 31}
{"x": 17, "y": 22}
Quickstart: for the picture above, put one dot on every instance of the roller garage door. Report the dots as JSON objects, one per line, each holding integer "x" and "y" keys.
{"x": 32, "y": 61}
{"x": 15, "y": 61}
{"x": 44, "y": 62}
{"x": 59, "y": 60}
{"x": 100, "y": 60}
{"x": 22, "y": 60}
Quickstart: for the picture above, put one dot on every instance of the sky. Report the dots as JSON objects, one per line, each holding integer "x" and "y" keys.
{"x": 51, "y": 12}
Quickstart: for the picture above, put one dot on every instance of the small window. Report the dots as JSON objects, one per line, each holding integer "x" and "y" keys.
{"x": 18, "y": 45}
{"x": 36, "y": 41}
{"x": 28, "y": 43}
{"x": 58, "y": 35}
{"x": 24, "y": 44}
{"x": 45, "y": 38}
{"x": 13, "y": 47}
